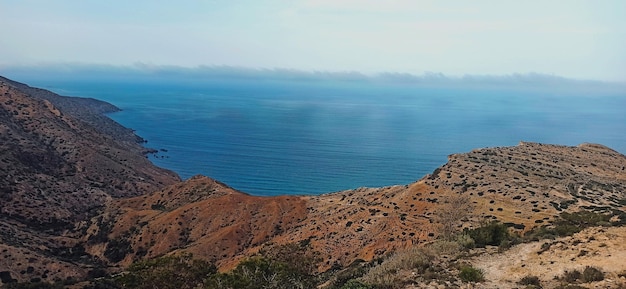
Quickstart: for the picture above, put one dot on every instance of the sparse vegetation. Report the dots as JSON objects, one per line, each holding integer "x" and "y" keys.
{"x": 339, "y": 278}
{"x": 589, "y": 274}
{"x": 355, "y": 284}
{"x": 492, "y": 234}
{"x": 454, "y": 210}
{"x": 592, "y": 274}
{"x": 471, "y": 274}
{"x": 34, "y": 285}
{"x": 288, "y": 266}
{"x": 166, "y": 272}
{"x": 568, "y": 224}
{"x": 571, "y": 276}
{"x": 570, "y": 286}
{"x": 530, "y": 282}
{"x": 386, "y": 275}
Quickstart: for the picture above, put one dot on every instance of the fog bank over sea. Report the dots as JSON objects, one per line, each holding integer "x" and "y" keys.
{"x": 278, "y": 131}
{"x": 141, "y": 72}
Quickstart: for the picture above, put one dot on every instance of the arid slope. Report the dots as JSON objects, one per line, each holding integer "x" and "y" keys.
{"x": 523, "y": 186}
{"x": 77, "y": 195}
{"x": 58, "y": 170}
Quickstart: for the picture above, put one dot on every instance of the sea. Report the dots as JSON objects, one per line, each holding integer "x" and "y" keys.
{"x": 289, "y": 136}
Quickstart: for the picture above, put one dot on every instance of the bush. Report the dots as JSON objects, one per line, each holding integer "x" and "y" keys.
{"x": 492, "y": 234}
{"x": 445, "y": 247}
{"x": 287, "y": 266}
{"x": 571, "y": 276}
{"x": 568, "y": 224}
{"x": 176, "y": 272}
{"x": 531, "y": 281}
{"x": 591, "y": 274}
{"x": 356, "y": 270}
{"x": 471, "y": 274}
{"x": 256, "y": 272}
{"x": 386, "y": 274}
{"x": 466, "y": 241}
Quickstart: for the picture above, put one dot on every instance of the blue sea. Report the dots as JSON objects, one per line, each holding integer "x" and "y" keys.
{"x": 283, "y": 137}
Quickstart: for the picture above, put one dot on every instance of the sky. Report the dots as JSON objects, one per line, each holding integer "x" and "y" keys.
{"x": 569, "y": 38}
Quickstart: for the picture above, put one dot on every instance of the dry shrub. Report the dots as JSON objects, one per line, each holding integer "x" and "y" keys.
{"x": 592, "y": 274}
{"x": 444, "y": 247}
{"x": 388, "y": 274}
{"x": 571, "y": 276}
{"x": 530, "y": 281}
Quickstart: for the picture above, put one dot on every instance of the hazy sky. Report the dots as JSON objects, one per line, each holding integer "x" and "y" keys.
{"x": 578, "y": 39}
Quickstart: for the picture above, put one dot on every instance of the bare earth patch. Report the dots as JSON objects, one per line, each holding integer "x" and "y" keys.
{"x": 603, "y": 248}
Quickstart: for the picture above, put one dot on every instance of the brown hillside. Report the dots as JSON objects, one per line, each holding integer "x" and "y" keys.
{"x": 78, "y": 195}
{"x": 57, "y": 170}
{"x": 523, "y": 186}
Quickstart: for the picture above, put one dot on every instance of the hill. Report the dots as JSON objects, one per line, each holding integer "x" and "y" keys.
{"x": 79, "y": 199}
{"x": 60, "y": 166}
{"x": 523, "y": 186}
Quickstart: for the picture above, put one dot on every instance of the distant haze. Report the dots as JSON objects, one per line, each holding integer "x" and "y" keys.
{"x": 573, "y": 39}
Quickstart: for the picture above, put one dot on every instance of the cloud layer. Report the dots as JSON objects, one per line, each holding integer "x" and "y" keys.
{"x": 579, "y": 39}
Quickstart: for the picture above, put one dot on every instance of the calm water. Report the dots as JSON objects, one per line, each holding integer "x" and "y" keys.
{"x": 298, "y": 137}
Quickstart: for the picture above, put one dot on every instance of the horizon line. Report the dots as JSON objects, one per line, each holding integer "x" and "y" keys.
{"x": 223, "y": 70}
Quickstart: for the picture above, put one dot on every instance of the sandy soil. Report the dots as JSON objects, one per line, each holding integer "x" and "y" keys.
{"x": 604, "y": 248}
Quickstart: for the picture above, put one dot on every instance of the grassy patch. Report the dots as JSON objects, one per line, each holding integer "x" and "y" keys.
{"x": 388, "y": 273}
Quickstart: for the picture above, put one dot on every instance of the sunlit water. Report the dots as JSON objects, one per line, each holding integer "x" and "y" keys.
{"x": 298, "y": 137}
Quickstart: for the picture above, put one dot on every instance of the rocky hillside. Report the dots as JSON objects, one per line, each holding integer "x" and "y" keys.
{"x": 79, "y": 199}
{"x": 59, "y": 169}
{"x": 522, "y": 186}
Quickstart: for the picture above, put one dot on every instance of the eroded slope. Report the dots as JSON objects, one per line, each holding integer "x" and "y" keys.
{"x": 523, "y": 186}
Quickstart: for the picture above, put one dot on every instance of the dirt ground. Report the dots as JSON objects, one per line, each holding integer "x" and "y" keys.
{"x": 603, "y": 248}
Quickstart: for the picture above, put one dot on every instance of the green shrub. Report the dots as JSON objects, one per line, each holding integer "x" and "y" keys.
{"x": 356, "y": 270}
{"x": 568, "y": 224}
{"x": 286, "y": 266}
{"x": 471, "y": 274}
{"x": 173, "y": 272}
{"x": 492, "y": 234}
{"x": 591, "y": 274}
{"x": 585, "y": 218}
{"x": 252, "y": 273}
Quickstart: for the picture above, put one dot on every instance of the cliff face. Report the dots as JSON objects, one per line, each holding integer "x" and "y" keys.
{"x": 77, "y": 194}
{"x": 57, "y": 170}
